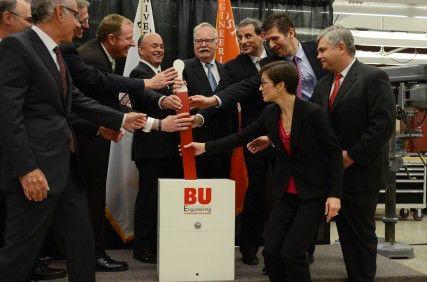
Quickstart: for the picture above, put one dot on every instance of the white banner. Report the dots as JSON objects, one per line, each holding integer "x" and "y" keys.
{"x": 122, "y": 178}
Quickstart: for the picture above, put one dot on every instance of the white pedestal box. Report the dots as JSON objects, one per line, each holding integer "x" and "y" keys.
{"x": 196, "y": 230}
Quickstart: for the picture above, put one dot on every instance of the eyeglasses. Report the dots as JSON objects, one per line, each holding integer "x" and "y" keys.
{"x": 28, "y": 19}
{"x": 206, "y": 41}
{"x": 74, "y": 12}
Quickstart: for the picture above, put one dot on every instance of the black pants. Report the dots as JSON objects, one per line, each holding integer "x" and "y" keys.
{"x": 356, "y": 230}
{"x": 145, "y": 216}
{"x": 3, "y": 211}
{"x": 254, "y": 210}
{"x": 213, "y": 166}
{"x": 94, "y": 156}
{"x": 292, "y": 225}
{"x": 28, "y": 222}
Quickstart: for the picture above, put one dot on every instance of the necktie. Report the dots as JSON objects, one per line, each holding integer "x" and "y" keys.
{"x": 113, "y": 65}
{"x": 211, "y": 78}
{"x": 299, "y": 88}
{"x": 62, "y": 69}
{"x": 334, "y": 94}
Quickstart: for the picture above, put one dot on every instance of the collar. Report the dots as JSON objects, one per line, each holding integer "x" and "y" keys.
{"x": 299, "y": 54}
{"x": 111, "y": 59}
{"x": 211, "y": 62}
{"x": 155, "y": 70}
{"x": 256, "y": 59}
{"x": 45, "y": 38}
{"x": 347, "y": 69}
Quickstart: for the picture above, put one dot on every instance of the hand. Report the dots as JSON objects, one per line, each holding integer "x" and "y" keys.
{"x": 134, "y": 121}
{"x": 162, "y": 79}
{"x": 332, "y": 206}
{"x": 258, "y": 144}
{"x": 347, "y": 161}
{"x": 197, "y": 121}
{"x": 110, "y": 134}
{"x": 199, "y": 148}
{"x": 35, "y": 185}
{"x": 171, "y": 102}
{"x": 202, "y": 102}
{"x": 177, "y": 84}
{"x": 177, "y": 122}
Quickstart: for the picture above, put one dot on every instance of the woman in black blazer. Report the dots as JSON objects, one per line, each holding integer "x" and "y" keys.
{"x": 307, "y": 181}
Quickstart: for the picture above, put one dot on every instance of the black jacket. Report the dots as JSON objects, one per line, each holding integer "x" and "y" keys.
{"x": 35, "y": 113}
{"x": 316, "y": 161}
{"x": 154, "y": 144}
{"x": 363, "y": 117}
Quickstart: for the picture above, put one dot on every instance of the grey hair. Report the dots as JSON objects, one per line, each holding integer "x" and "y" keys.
{"x": 336, "y": 34}
{"x": 8, "y": 5}
{"x": 82, "y": 3}
{"x": 41, "y": 10}
{"x": 196, "y": 29}
{"x": 251, "y": 21}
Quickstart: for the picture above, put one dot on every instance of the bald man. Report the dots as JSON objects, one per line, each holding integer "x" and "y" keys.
{"x": 155, "y": 153}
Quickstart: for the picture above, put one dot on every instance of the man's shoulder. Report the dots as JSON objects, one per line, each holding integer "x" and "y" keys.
{"x": 90, "y": 47}
{"x": 142, "y": 69}
{"x": 238, "y": 60}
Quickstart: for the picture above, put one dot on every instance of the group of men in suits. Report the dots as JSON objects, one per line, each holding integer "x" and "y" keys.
{"x": 351, "y": 89}
{"x": 50, "y": 167}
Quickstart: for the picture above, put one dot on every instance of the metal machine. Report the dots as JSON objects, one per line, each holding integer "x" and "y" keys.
{"x": 409, "y": 84}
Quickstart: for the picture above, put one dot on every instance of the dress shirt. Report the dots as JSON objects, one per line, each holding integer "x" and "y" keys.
{"x": 48, "y": 42}
{"x": 343, "y": 73}
{"x": 214, "y": 69}
{"x": 256, "y": 59}
{"x": 111, "y": 59}
{"x": 308, "y": 78}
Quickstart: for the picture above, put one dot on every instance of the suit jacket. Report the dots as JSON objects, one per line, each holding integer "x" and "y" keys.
{"x": 92, "y": 54}
{"x": 90, "y": 79}
{"x": 236, "y": 70}
{"x": 154, "y": 144}
{"x": 35, "y": 113}
{"x": 244, "y": 90}
{"x": 363, "y": 117}
{"x": 197, "y": 83}
{"x": 316, "y": 161}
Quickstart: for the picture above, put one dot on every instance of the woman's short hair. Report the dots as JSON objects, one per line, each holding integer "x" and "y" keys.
{"x": 282, "y": 71}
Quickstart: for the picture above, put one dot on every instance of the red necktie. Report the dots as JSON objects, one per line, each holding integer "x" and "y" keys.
{"x": 299, "y": 88}
{"x": 62, "y": 69}
{"x": 334, "y": 94}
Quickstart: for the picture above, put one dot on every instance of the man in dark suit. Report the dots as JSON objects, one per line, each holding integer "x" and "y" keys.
{"x": 279, "y": 31}
{"x": 361, "y": 109}
{"x": 39, "y": 170}
{"x": 245, "y": 66}
{"x": 155, "y": 153}
{"x": 15, "y": 16}
{"x": 203, "y": 74}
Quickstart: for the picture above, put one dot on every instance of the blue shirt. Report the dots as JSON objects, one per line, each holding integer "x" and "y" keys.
{"x": 308, "y": 77}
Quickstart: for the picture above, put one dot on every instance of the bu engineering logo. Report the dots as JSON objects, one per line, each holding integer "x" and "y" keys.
{"x": 197, "y": 200}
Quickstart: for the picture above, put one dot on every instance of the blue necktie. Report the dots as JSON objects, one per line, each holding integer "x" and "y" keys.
{"x": 211, "y": 78}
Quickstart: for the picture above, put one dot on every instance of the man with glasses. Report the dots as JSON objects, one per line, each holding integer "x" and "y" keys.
{"x": 203, "y": 74}
{"x": 40, "y": 173}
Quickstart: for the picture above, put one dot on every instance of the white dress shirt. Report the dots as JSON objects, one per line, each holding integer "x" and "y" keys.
{"x": 343, "y": 73}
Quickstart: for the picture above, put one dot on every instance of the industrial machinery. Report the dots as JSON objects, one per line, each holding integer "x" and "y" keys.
{"x": 407, "y": 176}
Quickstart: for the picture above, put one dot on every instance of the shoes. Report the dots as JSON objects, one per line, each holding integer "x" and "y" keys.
{"x": 249, "y": 255}
{"x": 146, "y": 257}
{"x": 107, "y": 264}
{"x": 310, "y": 258}
{"x": 42, "y": 271}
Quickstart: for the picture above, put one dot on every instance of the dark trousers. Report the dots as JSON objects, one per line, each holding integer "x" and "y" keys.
{"x": 145, "y": 216}
{"x": 356, "y": 230}
{"x": 28, "y": 222}
{"x": 94, "y": 156}
{"x": 292, "y": 225}
{"x": 3, "y": 211}
{"x": 213, "y": 166}
{"x": 254, "y": 210}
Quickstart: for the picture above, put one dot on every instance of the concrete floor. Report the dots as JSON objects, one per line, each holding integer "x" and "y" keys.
{"x": 408, "y": 231}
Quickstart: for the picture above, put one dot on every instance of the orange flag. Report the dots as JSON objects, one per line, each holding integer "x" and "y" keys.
{"x": 228, "y": 49}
